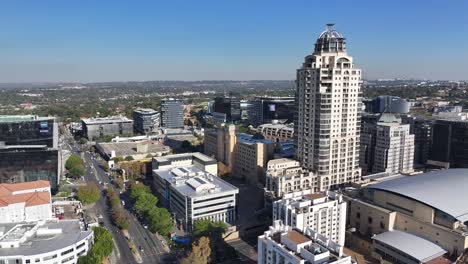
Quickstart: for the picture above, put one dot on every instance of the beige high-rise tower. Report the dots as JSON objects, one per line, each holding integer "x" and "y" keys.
{"x": 328, "y": 100}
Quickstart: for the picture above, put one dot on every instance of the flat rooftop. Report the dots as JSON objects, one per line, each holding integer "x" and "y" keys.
{"x": 71, "y": 232}
{"x": 193, "y": 182}
{"x": 22, "y": 118}
{"x": 106, "y": 120}
{"x": 145, "y": 111}
{"x": 167, "y": 160}
{"x": 248, "y": 139}
{"x": 123, "y": 149}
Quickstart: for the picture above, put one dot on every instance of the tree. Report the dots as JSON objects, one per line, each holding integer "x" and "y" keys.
{"x": 137, "y": 189}
{"x": 159, "y": 221}
{"x": 200, "y": 253}
{"x": 77, "y": 171}
{"x": 119, "y": 218}
{"x": 104, "y": 165}
{"x": 73, "y": 161}
{"x": 206, "y": 227}
{"x": 103, "y": 246}
{"x": 145, "y": 202}
{"x": 83, "y": 141}
{"x": 89, "y": 193}
{"x": 129, "y": 158}
{"x": 117, "y": 159}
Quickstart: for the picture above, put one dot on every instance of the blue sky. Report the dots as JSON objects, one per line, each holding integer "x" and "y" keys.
{"x": 218, "y": 40}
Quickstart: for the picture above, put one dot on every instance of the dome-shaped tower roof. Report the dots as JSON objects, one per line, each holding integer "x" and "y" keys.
{"x": 330, "y": 41}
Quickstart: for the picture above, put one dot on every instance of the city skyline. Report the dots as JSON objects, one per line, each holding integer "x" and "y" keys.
{"x": 116, "y": 41}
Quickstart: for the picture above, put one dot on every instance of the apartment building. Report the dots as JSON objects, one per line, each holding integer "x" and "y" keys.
{"x": 327, "y": 125}
{"x": 325, "y": 213}
{"x": 283, "y": 244}
{"x": 285, "y": 176}
{"x": 277, "y": 132}
{"x": 387, "y": 146}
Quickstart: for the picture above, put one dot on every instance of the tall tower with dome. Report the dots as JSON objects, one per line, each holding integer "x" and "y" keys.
{"x": 328, "y": 112}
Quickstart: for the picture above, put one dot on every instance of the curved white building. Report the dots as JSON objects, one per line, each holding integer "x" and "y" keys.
{"x": 328, "y": 99}
{"x": 46, "y": 242}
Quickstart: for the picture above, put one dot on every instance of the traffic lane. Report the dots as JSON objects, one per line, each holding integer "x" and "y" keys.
{"x": 119, "y": 238}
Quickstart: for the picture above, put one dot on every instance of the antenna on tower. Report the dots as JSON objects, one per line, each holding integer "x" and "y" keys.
{"x": 330, "y": 26}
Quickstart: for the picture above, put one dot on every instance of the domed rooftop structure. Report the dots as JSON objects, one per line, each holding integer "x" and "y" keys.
{"x": 330, "y": 41}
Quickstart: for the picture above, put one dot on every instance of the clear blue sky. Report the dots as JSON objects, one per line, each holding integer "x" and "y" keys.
{"x": 212, "y": 40}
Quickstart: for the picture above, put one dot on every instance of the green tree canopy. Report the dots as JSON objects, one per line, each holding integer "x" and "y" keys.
{"x": 103, "y": 246}
{"x": 129, "y": 158}
{"x": 73, "y": 161}
{"x": 89, "y": 193}
{"x": 77, "y": 171}
{"x": 137, "y": 189}
{"x": 145, "y": 202}
{"x": 206, "y": 227}
{"x": 83, "y": 141}
{"x": 200, "y": 253}
{"x": 160, "y": 221}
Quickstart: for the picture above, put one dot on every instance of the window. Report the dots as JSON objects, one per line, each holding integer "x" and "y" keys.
{"x": 369, "y": 219}
{"x": 382, "y": 225}
{"x": 358, "y": 215}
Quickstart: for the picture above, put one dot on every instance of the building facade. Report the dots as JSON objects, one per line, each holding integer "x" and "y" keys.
{"x": 229, "y": 106}
{"x": 272, "y": 109}
{"x": 283, "y": 244}
{"x": 277, "y": 132}
{"x": 29, "y": 130}
{"x": 146, "y": 121}
{"x": 172, "y": 113}
{"x": 327, "y": 124}
{"x": 44, "y": 242}
{"x": 24, "y": 202}
{"x": 325, "y": 213}
{"x": 192, "y": 194}
{"x": 221, "y": 143}
{"x": 449, "y": 144}
{"x": 422, "y": 130}
{"x": 95, "y": 128}
{"x": 387, "y": 146}
{"x": 429, "y": 205}
{"x": 285, "y": 176}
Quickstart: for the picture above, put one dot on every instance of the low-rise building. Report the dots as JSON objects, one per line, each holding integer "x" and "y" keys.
{"x": 277, "y": 132}
{"x": 325, "y": 213}
{"x": 287, "y": 176}
{"x": 94, "y": 128}
{"x": 28, "y": 201}
{"x": 401, "y": 247}
{"x": 429, "y": 205}
{"x": 196, "y": 159}
{"x": 283, "y": 244}
{"x": 47, "y": 242}
{"x": 137, "y": 150}
{"x": 192, "y": 194}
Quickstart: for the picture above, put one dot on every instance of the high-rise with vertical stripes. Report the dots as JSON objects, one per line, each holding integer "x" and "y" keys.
{"x": 327, "y": 120}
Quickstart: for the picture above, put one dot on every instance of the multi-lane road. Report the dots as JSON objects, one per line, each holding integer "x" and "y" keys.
{"x": 152, "y": 249}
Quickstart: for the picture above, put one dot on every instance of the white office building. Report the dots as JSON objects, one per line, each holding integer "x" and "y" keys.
{"x": 44, "y": 242}
{"x": 328, "y": 99}
{"x": 387, "y": 146}
{"x": 287, "y": 176}
{"x": 283, "y": 244}
{"x": 26, "y": 201}
{"x": 323, "y": 212}
{"x": 192, "y": 193}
